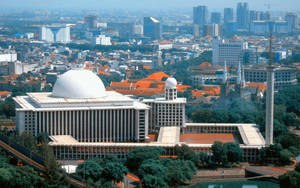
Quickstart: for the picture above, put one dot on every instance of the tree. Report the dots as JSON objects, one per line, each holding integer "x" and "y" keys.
{"x": 285, "y": 157}
{"x": 114, "y": 171}
{"x": 219, "y": 153}
{"x": 291, "y": 179}
{"x": 137, "y": 156}
{"x": 151, "y": 181}
{"x": 52, "y": 168}
{"x": 89, "y": 169}
{"x": 234, "y": 152}
{"x": 185, "y": 153}
{"x": 25, "y": 176}
{"x": 5, "y": 177}
{"x": 152, "y": 167}
{"x": 271, "y": 153}
{"x": 180, "y": 172}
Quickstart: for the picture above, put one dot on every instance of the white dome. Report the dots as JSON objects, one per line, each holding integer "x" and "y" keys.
{"x": 79, "y": 84}
{"x": 171, "y": 83}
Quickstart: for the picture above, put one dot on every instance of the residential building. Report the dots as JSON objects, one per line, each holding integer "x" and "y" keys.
{"x": 55, "y": 33}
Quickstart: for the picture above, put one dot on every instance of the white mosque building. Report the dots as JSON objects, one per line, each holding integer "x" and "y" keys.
{"x": 85, "y": 121}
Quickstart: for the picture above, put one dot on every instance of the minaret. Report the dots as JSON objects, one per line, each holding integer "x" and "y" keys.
{"x": 270, "y": 96}
{"x": 239, "y": 74}
{"x": 224, "y": 85}
{"x": 225, "y": 72}
{"x": 171, "y": 89}
{"x": 243, "y": 81}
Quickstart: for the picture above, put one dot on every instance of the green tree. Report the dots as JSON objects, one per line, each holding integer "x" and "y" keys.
{"x": 137, "y": 156}
{"x": 89, "y": 169}
{"x": 180, "y": 172}
{"x": 5, "y": 177}
{"x": 114, "y": 171}
{"x": 152, "y": 167}
{"x": 152, "y": 181}
{"x": 219, "y": 153}
{"x": 291, "y": 179}
{"x": 25, "y": 176}
{"x": 285, "y": 157}
{"x": 185, "y": 153}
{"x": 234, "y": 152}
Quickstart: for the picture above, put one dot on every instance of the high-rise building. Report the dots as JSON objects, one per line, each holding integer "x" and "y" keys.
{"x": 242, "y": 16}
{"x": 152, "y": 28}
{"x": 213, "y": 30}
{"x": 200, "y": 16}
{"x": 55, "y": 33}
{"x": 291, "y": 19}
{"x": 228, "y": 15}
{"x": 90, "y": 21}
{"x": 265, "y": 16}
{"x": 230, "y": 51}
{"x": 254, "y": 16}
{"x": 215, "y": 18}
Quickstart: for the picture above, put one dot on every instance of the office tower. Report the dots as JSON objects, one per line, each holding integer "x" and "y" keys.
{"x": 254, "y": 16}
{"x": 55, "y": 33}
{"x": 265, "y": 16}
{"x": 200, "y": 16}
{"x": 243, "y": 16}
{"x": 291, "y": 19}
{"x": 152, "y": 28}
{"x": 228, "y": 15}
{"x": 90, "y": 21}
{"x": 230, "y": 51}
{"x": 215, "y": 18}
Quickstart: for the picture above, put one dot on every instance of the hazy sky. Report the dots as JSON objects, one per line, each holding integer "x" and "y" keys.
{"x": 147, "y": 4}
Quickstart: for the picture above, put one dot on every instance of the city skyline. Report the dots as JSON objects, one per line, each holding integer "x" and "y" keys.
{"x": 289, "y": 5}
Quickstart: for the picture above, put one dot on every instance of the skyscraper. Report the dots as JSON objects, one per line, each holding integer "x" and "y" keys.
{"x": 200, "y": 16}
{"x": 243, "y": 16}
{"x": 215, "y": 18}
{"x": 228, "y": 15}
{"x": 152, "y": 28}
{"x": 254, "y": 16}
{"x": 291, "y": 19}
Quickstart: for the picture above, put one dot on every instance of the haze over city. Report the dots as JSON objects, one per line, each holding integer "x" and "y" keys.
{"x": 146, "y": 4}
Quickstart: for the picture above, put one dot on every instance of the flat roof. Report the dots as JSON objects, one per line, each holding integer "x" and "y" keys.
{"x": 46, "y": 98}
{"x": 44, "y": 102}
{"x": 169, "y": 135}
{"x": 208, "y": 138}
{"x": 249, "y": 133}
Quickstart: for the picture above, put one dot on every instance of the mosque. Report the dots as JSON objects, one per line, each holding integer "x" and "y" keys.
{"x": 85, "y": 121}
